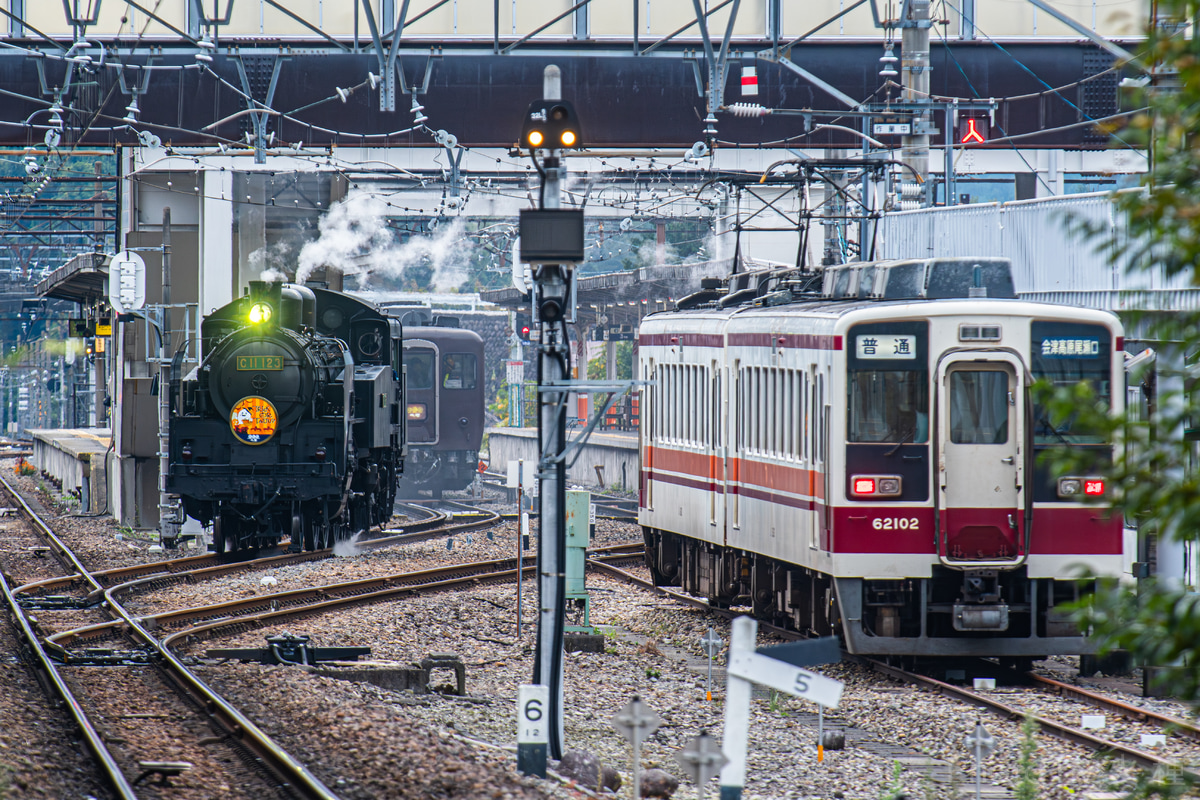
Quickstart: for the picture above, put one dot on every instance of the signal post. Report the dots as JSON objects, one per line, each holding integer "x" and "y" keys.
{"x": 552, "y": 240}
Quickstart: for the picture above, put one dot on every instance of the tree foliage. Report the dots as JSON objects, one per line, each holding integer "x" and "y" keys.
{"x": 1155, "y": 480}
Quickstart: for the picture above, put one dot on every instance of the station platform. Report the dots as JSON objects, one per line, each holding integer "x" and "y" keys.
{"x": 77, "y": 458}
{"x": 609, "y": 459}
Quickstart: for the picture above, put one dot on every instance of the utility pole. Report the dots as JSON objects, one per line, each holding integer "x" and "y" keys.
{"x": 914, "y": 76}
{"x": 168, "y": 522}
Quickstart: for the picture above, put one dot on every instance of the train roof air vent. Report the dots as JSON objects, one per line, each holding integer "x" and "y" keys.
{"x": 920, "y": 279}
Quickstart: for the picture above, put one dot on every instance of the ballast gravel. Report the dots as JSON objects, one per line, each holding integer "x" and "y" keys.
{"x": 368, "y": 742}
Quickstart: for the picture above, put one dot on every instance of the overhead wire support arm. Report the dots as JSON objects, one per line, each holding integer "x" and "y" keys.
{"x": 279, "y": 7}
{"x": 717, "y": 62}
{"x": 533, "y": 33}
{"x": 1083, "y": 30}
{"x": 387, "y": 59}
{"x": 678, "y": 31}
{"x": 181, "y": 34}
{"x": 615, "y": 391}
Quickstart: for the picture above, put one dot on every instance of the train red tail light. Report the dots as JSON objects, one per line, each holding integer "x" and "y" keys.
{"x": 186, "y": 452}
{"x": 320, "y": 454}
{"x": 875, "y": 485}
{"x": 1074, "y": 487}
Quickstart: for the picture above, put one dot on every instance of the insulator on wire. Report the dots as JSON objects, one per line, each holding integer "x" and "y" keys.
{"x": 911, "y": 191}
{"x": 747, "y": 110}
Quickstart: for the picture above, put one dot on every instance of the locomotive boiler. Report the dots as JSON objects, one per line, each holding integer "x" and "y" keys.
{"x": 292, "y": 425}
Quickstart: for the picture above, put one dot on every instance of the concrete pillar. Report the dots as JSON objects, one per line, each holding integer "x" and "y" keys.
{"x": 914, "y": 75}
{"x": 216, "y": 240}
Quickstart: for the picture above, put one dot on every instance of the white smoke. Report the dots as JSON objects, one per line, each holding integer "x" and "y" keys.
{"x": 272, "y": 261}
{"x": 355, "y": 238}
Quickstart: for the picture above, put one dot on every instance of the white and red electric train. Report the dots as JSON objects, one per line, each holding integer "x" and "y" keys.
{"x": 866, "y": 458}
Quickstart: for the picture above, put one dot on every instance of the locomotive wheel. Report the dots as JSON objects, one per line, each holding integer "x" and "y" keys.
{"x": 300, "y": 530}
{"x": 220, "y": 523}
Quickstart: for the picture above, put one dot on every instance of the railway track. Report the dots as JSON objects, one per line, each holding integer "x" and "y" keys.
{"x": 237, "y": 615}
{"x": 150, "y": 670}
{"x": 429, "y": 525}
{"x": 1152, "y": 721}
{"x": 611, "y": 507}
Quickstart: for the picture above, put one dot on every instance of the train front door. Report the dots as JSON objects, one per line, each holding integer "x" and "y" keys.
{"x": 981, "y": 480}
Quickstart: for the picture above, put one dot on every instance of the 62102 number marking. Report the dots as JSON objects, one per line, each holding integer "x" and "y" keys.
{"x": 896, "y": 523}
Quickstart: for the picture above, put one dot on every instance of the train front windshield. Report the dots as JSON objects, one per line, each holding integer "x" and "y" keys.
{"x": 419, "y": 364}
{"x": 1064, "y": 354}
{"x": 888, "y": 380}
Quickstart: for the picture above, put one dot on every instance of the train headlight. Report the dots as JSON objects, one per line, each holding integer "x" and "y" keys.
{"x": 875, "y": 485}
{"x": 260, "y": 313}
{"x": 535, "y": 138}
{"x": 1075, "y": 487}
{"x": 416, "y": 412}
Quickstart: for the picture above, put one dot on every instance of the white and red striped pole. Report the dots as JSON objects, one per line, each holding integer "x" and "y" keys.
{"x": 749, "y": 80}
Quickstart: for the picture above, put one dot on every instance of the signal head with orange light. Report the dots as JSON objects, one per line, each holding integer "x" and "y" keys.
{"x": 551, "y": 125}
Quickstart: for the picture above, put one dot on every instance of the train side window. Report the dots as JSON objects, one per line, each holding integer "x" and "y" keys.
{"x": 755, "y": 408}
{"x": 655, "y": 404}
{"x": 738, "y": 409}
{"x": 789, "y": 413}
{"x": 694, "y": 395}
{"x": 823, "y": 410}
{"x": 681, "y": 404}
{"x": 780, "y": 429}
{"x": 804, "y": 406}
{"x": 460, "y": 371}
{"x": 420, "y": 368}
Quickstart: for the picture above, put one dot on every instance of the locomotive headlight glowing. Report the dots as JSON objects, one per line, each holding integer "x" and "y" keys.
{"x": 416, "y": 412}
{"x": 260, "y": 313}
{"x": 875, "y": 485}
{"x": 568, "y": 138}
{"x": 536, "y": 138}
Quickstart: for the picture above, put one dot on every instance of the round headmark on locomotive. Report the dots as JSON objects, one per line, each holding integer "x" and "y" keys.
{"x": 253, "y": 420}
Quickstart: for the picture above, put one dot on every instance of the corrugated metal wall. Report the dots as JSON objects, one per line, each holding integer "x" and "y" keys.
{"x": 1062, "y": 249}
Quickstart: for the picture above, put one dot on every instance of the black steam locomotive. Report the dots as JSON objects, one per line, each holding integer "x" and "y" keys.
{"x": 445, "y": 405}
{"x": 292, "y": 425}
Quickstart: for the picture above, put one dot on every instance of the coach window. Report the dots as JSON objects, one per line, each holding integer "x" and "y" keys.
{"x": 459, "y": 370}
{"x": 420, "y": 368}
{"x": 888, "y": 383}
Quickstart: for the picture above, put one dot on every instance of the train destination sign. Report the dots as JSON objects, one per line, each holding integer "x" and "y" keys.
{"x": 883, "y": 346}
{"x": 253, "y": 420}
{"x": 1071, "y": 348}
{"x": 245, "y": 363}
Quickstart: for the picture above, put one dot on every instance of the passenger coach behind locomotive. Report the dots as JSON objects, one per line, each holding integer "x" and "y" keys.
{"x": 291, "y": 425}
{"x": 445, "y": 405}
